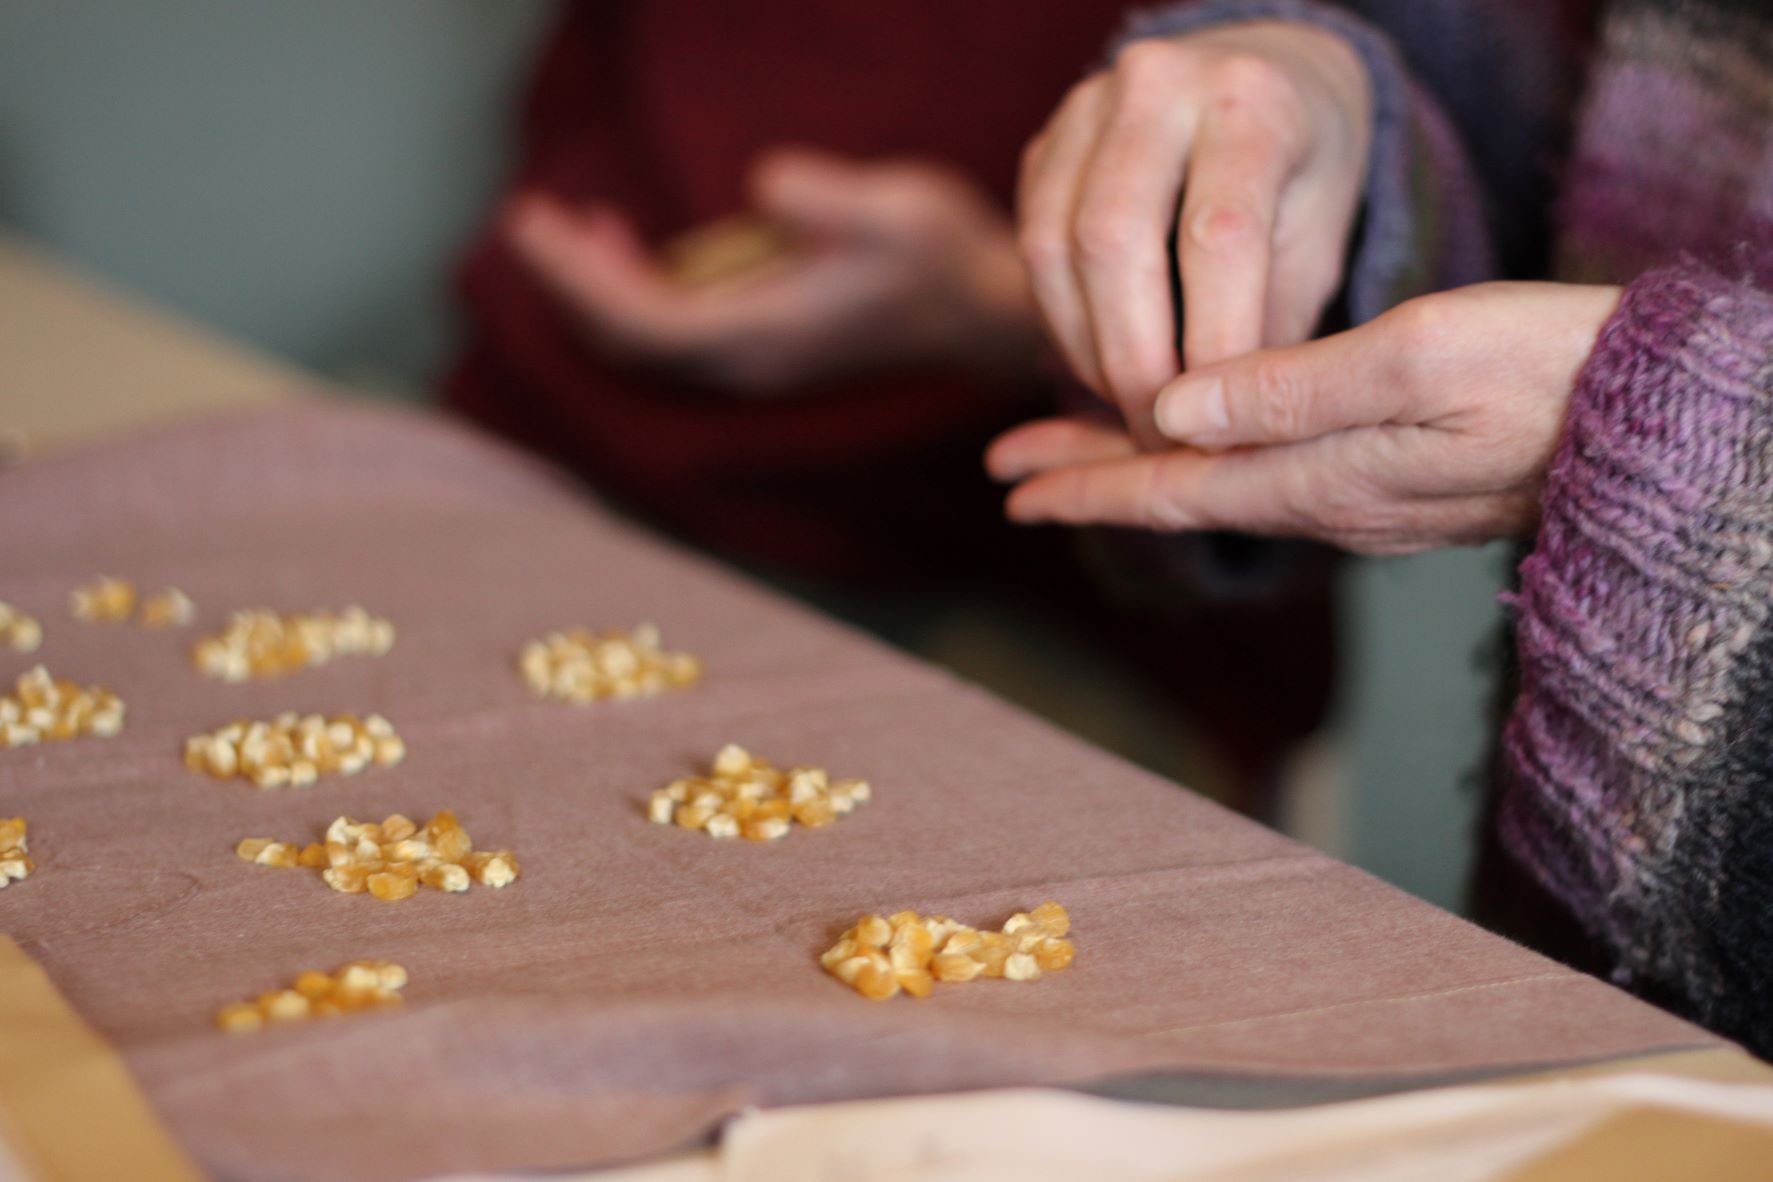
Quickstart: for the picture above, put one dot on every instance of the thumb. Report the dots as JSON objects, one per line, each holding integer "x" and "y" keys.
{"x": 813, "y": 192}
{"x": 1285, "y": 395}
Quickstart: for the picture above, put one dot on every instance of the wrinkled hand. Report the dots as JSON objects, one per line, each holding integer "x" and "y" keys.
{"x": 1432, "y": 425}
{"x": 1260, "y": 133}
{"x": 895, "y": 263}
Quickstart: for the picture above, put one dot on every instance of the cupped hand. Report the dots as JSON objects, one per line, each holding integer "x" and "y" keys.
{"x": 895, "y": 263}
{"x": 1430, "y": 426}
{"x": 1249, "y": 143}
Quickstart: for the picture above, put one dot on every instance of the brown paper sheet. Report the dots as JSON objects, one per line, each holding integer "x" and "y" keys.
{"x": 640, "y": 983}
{"x": 69, "y": 1111}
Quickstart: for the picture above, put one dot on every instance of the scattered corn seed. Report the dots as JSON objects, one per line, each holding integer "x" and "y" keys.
{"x": 293, "y": 751}
{"x": 880, "y": 957}
{"x": 262, "y": 643}
{"x": 105, "y": 598}
{"x": 391, "y": 859}
{"x": 581, "y": 666}
{"x": 360, "y": 985}
{"x": 42, "y": 708}
{"x": 170, "y": 608}
{"x": 19, "y": 632}
{"x": 15, "y": 859}
{"x": 744, "y": 796}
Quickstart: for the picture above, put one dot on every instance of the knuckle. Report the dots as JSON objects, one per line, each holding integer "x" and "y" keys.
{"x": 1108, "y": 234}
{"x": 1043, "y": 245}
{"x": 1250, "y": 80}
{"x": 1278, "y": 398}
{"x": 1150, "y": 64}
{"x": 1422, "y": 325}
{"x": 1224, "y": 224}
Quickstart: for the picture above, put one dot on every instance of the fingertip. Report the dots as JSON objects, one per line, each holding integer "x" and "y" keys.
{"x": 1023, "y": 507}
{"x": 1008, "y": 457}
{"x": 1193, "y": 410}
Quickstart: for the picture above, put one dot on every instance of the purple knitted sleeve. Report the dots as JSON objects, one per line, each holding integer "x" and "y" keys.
{"x": 1423, "y": 227}
{"x": 1639, "y": 753}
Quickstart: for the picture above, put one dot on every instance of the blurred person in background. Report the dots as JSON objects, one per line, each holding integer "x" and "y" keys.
{"x": 1619, "y": 419}
{"x": 820, "y": 415}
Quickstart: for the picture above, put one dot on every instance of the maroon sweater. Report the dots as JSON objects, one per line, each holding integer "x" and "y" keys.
{"x": 659, "y": 107}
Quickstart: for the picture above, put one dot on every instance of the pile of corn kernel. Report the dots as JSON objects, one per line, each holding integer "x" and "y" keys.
{"x": 583, "y": 666}
{"x": 15, "y": 860}
{"x": 265, "y": 644}
{"x": 294, "y": 750}
{"x": 360, "y": 985}
{"x": 115, "y": 600}
{"x": 743, "y": 796}
{"x": 391, "y": 859}
{"x": 18, "y": 631}
{"x": 40, "y": 707}
{"x": 879, "y": 957}
{"x": 105, "y": 598}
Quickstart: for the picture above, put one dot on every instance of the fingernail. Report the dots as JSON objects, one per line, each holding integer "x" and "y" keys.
{"x": 1191, "y": 410}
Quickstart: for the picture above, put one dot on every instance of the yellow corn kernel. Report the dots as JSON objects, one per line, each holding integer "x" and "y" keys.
{"x": 497, "y": 869}
{"x": 876, "y": 983}
{"x": 391, "y": 885}
{"x": 873, "y": 932}
{"x": 447, "y": 837}
{"x": 360, "y": 976}
{"x": 1020, "y": 966}
{"x": 398, "y": 828}
{"x": 1055, "y": 953}
{"x": 955, "y": 966}
{"x": 911, "y": 947}
{"x": 769, "y": 829}
{"x": 250, "y": 848}
{"x": 916, "y": 982}
{"x": 350, "y": 880}
{"x": 992, "y": 959}
{"x": 285, "y": 1005}
{"x": 389, "y": 976}
{"x": 1054, "y": 918}
{"x": 815, "y": 813}
{"x": 313, "y": 857}
{"x": 444, "y": 876}
{"x": 314, "y": 984}
{"x": 839, "y": 952}
{"x": 279, "y": 854}
{"x": 239, "y": 1017}
{"x": 170, "y": 608}
{"x": 963, "y": 942}
{"x": 732, "y": 760}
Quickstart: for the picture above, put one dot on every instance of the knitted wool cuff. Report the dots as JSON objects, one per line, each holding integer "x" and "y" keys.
{"x": 1423, "y": 228}
{"x": 1642, "y": 625}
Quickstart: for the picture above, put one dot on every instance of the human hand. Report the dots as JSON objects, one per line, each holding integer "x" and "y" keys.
{"x": 1260, "y": 132}
{"x": 894, "y": 263}
{"x": 1432, "y": 425}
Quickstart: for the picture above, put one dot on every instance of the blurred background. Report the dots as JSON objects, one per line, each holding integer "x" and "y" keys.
{"x": 301, "y": 176}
